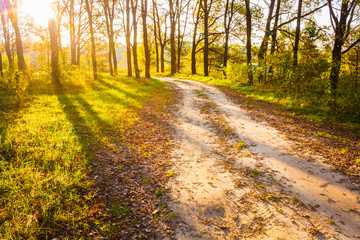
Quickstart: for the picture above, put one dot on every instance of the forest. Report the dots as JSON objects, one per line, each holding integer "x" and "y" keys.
{"x": 95, "y": 97}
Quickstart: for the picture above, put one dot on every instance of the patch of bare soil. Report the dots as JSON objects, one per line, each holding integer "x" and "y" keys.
{"x": 240, "y": 178}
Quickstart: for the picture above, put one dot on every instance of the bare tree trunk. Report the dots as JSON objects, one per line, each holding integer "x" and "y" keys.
{"x": 227, "y": 21}
{"x": 19, "y": 48}
{"x": 156, "y": 38}
{"x": 248, "y": 42}
{"x": 134, "y": 4}
{"x": 92, "y": 38}
{"x": 206, "y": 37}
{"x": 342, "y": 31}
{"x": 1, "y": 65}
{"x": 54, "y": 43}
{"x": 194, "y": 45}
{"x": 162, "y": 58}
{"x": 274, "y": 36}
{"x": 145, "y": 38}
{"x": 172, "y": 37}
{"x": 127, "y": 36}
{"x": 6, "y": 39}
{"x": 113, "y": 49}
{"x": 72, "y": 33}
{"x": 297, "y": 35}
{"x": 264, "y": 42}
{"x": 110, "y": 61}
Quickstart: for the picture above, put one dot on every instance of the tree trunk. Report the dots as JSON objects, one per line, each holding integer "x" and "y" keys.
{"x": 1, "y": 65}
{"x": 72, "y": 33}
{"x": 340, "y": 36}
{"x": 194, "y": 45}
{"x": 274, "y": 36}
{"x": 264, "y": 42}
{"x": 172, "y": 37}
{"x": 92, "y": 38}
{"x": 127, "y": 36}
{"x": 162, "y": 57}
{"x": 145, "y": 38}
{"x": 136, "y": 65}
{"x": 110, "y": 60}
{"x": 113, "y": 49}
{"x": 206, "y": 38}
{"x": 248, "y": 42}
{"x": 55, "y": 69}
{"x": 19, "y": 48}
{"x": 156, "y": 37}
{"x": 6, "y": 39}
{"x": 227, "y": 21}
{"x": 297, "y": 35}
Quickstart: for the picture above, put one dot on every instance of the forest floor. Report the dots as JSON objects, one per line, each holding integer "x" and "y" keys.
{"x": 119, "y": 159}
{"x": 243, "y": 169}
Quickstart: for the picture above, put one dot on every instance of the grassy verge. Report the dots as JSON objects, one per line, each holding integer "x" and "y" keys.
{"x": 47, "y": 145}
{"x": 312, "y": 107}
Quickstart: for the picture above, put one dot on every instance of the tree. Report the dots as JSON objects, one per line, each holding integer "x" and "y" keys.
{"x": 297, "y": 35}
{"x": 6, "y": 34}
{"x": 248, "y": 42}
{"x": 155, "y": 36}
{"x": 134, "y": 5}
{"x": 161, "y": 26}
{"x": 12, "y": 13}
{"x": 54, "y": 43}
{"x": 265, "y": 40}
{"x": 180, "y": 10}
{"x": 194, "y": 40}
{"x": 228, "y": 16}
{"x": 145, "y": 38}
{"x": 172, "y": 36}
{"x": 206, "y": 9}
{"x": 89, "y": 10}
{"x": 109, "y": 12}
{"x": 341, "y": 24}
{"x": 128, "y": 36}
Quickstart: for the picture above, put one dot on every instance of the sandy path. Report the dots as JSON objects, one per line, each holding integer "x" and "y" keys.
{"x": 218, "y": 195}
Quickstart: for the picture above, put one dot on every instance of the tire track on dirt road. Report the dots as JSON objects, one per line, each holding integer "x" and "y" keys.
{"x": 219, "y": 195}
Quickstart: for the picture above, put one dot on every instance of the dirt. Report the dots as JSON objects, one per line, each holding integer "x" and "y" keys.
{"x": 238, "y": 177}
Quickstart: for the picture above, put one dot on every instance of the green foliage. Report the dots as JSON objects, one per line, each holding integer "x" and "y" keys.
{"x": 241, "y": 144}
{"x": 171, "y": 173}
{"x": 331, "y": 222}
{"x": 256, "y": 171}
{"x": 119, "y": 209}
{"x": 271, "y": 197}
{"x": 159, "y": 192}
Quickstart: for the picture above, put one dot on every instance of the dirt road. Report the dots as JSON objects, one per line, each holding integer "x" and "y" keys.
{"x": 240, "y": 179}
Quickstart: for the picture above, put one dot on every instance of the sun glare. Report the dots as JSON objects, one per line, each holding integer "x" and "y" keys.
{"x": 39, "y": 10}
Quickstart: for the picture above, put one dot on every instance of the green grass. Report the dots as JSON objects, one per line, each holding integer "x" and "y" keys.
{"x": 47, "y": 145}
{"x": 241, "y": 145}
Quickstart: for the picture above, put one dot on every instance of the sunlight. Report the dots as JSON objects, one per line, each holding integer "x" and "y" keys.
{"x": 39, "y": 10}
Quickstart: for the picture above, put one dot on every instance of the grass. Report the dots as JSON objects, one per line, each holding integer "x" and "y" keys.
{"x": 256, "y": 171}
{"x": 241, "y": 145}
{"x": 47, "y": 146}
